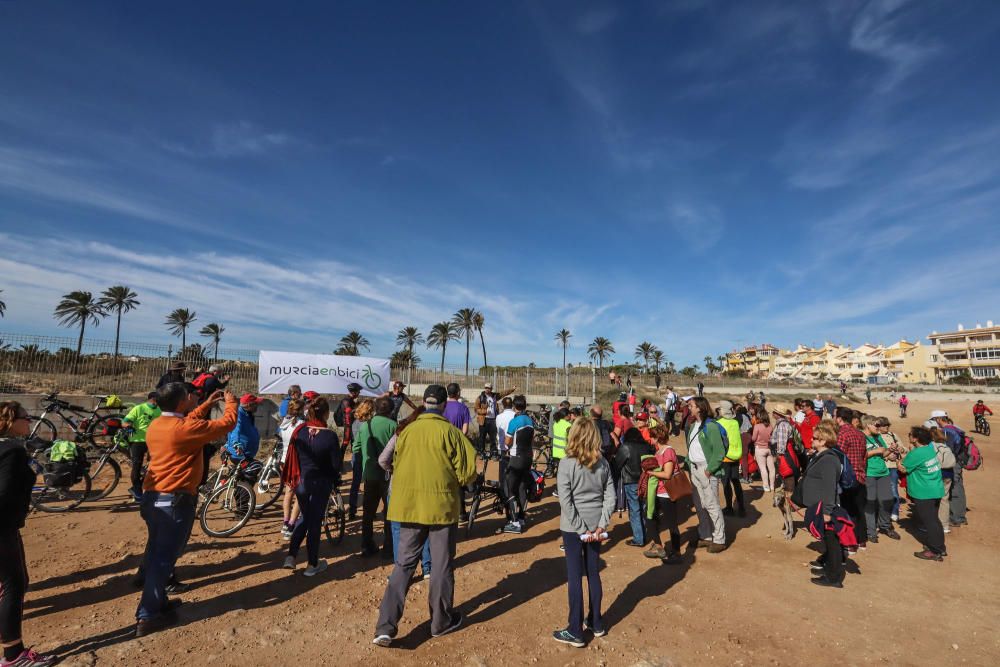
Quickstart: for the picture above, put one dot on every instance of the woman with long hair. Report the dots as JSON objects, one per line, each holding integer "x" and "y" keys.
{"x": 760, "y": 437}
{"x": 586, "y": 501}
{"x": 289, "y": 504}
{"x": 665, "y": 512}
{"x": 371, "y": 434}
{"x": 313, "y": 468}
{"x": 16, "y": 480}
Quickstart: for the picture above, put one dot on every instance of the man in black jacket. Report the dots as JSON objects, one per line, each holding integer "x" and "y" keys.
{"x": 628, "y": 460}
{"x": 175, "y": 373}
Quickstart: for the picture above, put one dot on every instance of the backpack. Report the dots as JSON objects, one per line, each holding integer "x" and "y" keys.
{"x": 725, "y": 434}
{"x": 945, "y": 457}
{"x": 788, "y": 464}
{"x": 973, "y": 457}
{"x": 848, "y": 480}
{"x": 338, "y": 415}
{"x": 536, "y": 487}
{"x": 199, "y": 383}
{"x": 796, "y": 441}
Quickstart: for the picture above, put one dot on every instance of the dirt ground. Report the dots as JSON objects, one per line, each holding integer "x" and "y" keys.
{"x": 750, "y": 605}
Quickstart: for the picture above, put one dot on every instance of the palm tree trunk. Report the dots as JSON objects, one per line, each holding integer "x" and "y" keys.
{"x": 79, "y": 345}
{"x": 565, "y": 374}
{"x": 443, "y": 348}
{"x": 215, "y": 357}
{"x": 483, "y": 341}
{"x": 468, "y": 342}
{"x": 183, "y": 338}
{"x": 118, "y": 331}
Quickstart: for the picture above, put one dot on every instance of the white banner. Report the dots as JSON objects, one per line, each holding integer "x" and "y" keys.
{"x": 323, "y": 373}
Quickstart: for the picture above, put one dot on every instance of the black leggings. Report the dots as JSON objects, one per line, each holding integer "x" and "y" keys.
{"x": 137, "y": 453}
{"x": 13, "y": 584}
{"x": 375, "y": 493}
{"x": 665, "y": 516}
{"x": 517, "y": 489}
{"x": 731, "y": 484}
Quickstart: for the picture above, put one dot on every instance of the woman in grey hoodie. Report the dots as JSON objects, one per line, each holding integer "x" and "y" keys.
{"x": 586, "y": 500}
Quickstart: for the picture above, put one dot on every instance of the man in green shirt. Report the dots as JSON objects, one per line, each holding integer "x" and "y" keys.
{"x": 137, "y": 421}
{"x": 925, "y": 488}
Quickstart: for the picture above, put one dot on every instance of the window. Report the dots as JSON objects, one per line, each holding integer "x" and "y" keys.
{"x": 984, "y": 372}
{"x": 986, "y": 353}
{"x": 981, "y": 337}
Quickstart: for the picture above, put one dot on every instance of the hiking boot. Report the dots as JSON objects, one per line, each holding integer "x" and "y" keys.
{"x": 823, "y": 581}
{"x": 566, "y": 637}
{"x": 456, "y": 623}
{"x": 927, "y": 554}
{"x": 655, "y": 552}
{"x": 150, "y": 625}
{"x": 29, "y": 658}
{"x": 714, "y": 548}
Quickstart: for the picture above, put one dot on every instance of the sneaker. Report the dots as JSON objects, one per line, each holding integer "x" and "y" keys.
{"x": 463, "y": 517}
{"x": 456, "y": 623}
{"x": 633, "y": 543}
{"x": 151, "y": 625}
{"x": 426, "y": 576}
{"x": 513, "y": 527}
{"x": 823, "y": 581}
{"x": 382, "y": 640}
{"x": 313, "y": 570}
{"x": 872, "y": 539}
{"x": 891, "y": 534}
{"x": 852, "y": 551}
{"x": 286, "y": 532}
{"x": 29, "y": 658}
{"x": 946, "y": 530}
{"x": 894, "y": 517}
{"x": 136, "y": 495}
{"x": 704, "y": 543}
{"x": 566, "y": 637}
{"x": 289, "y": 563}
{"x": 597, "y": 633}
{"x": 562, "y": 547}
{"x": 816, "y": 564}
{"x": 716, "y": 548}
{"x": 863, "y": 546}
{"x": 955, "y": 524}
{"x": 927, "y": 554}
{"x": 655, "y": 552}
{"x": 177, "y": 587}
{"x": 555, "y": 494}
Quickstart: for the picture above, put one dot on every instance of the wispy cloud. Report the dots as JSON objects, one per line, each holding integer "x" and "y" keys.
{"x": 876, "y": 32}
{"x": 233, "y": 140}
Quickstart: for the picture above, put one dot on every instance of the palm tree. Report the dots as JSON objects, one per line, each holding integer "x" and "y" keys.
{"x": 3, "y": 306}
{"x": 657, "y": 357}
{"x": 562, "y": 337}
{"x": 403, "y": 359}
{"x": 118, "y": 299}
{"x": 600, "y": 349}
{"x": 178, "y": 321}
{"x": 464, "y": 322}
{"x": 76, "y": 309}
{"x": 31, "y": 350}
{"x": 213, "y": 331}
{"x": 479, "y": 321}
{"x": 352, "y": 343}
{"x": 643, "y": 351}
{"x": 440, "y": 334}
{"x": 408, "y": 337}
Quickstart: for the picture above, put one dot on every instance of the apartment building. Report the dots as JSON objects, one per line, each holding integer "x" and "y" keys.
{"x": 975, "y": 350}
{"x": 756, "y": 361}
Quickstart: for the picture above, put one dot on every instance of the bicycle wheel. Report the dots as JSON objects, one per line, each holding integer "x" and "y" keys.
{"x": 42, "y": 430}
{"x": 268, "y": 487}
{"x": 227, "y": 509}
{"x": 473, "y": 510}
{"x": 98, "y": 433}
{"x": 57, "y": 499}
{"x": 986, "y": 428}
{"x": 335, "y": 521}
{"x": 104, "y": 477}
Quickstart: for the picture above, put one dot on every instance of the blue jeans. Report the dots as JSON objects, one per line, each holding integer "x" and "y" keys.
{"x": 425, "y": 556}
{"x": 634, "y": 512}
{"x": 169, "y": 518}
{"x": 583, "y": 559}
{"x": 894, "y": 476}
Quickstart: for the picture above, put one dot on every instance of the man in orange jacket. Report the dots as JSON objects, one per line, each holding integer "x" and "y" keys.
{"x": 170, "y": 492}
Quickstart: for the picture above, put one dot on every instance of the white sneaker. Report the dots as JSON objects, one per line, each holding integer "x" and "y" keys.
{"x": 894, "y": 517}
{"x": 313, "y": 570}
{"x": 382, "y": 640}
{"x": 289, "y": 563}
{"x": 947, "y": 530}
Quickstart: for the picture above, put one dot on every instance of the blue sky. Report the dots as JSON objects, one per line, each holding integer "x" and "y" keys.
{"x": 697, "y": 174}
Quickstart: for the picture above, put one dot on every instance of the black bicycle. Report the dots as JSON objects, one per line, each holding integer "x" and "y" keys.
{"x": 484, "y": 491}
{"x": 59, "y": 486}
{"x": 982, "y": 426}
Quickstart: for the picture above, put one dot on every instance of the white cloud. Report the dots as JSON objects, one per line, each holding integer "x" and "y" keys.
{"x": 233, "y": 140}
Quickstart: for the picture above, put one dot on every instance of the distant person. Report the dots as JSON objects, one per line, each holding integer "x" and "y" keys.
{"x": 843, "y": 388}
{"x": 705, "y": 454}
{"x": 809, "y": 421}
{"x": 432, "y": 461}
{"x": 486, "y": 417}
{"x": 294, "y": 394}
{"x": 904, "y": 403}
{"x": 657, "y": 380}
{"x": 925, "y": 488}
{"x": 211, "y": 381}
{"x": 829, "y": 407}
{"x": 586, "y": 501}
{"x": 343, "y": 417}
{"x": 17, "y": 478}
{"x": 731, "y": 461}
{"x": 760, "y": 438}
{"x": 762, "y": 400}
{"x": 868, "y": 395}
{"x": 294, "y": 415}
{"x": 701, "y": 388}
{"x": 503, "y": 422}
{"x": 137, "y": 421}
{"x": 175, "y": 373}
{"x": 818, "y": 406}
{"x": 370, "y": 438}
{"x": 243, "y": 442}
{"x": 670, "y": 410}
{"x": 897, "y": 450}
{"x": 628, "y": 463}
{"x": 398, "y": 398}
{"x": 604, "y": 428}
{"x": 455, "y": 410}
{"x": 664, "y": 512}
{"x": 955, "y": 438}
{"x": 979, "y": 412}
{"x": 170, "y": 490}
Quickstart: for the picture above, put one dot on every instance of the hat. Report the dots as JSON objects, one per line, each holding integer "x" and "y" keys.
{"x": 400, "y": 383}
{"x": 487, "y": 386}
{"x": 178, "y": 366}
{"x": 686, "y": 398}
{"x": 354, "y": 386}
{"x": 938, "y": 413}
{"x": 250, "y": 399}
{"x": 214, "y": 368}
{"x": 310, "y": 395}
{"x": 435, "y": 395}
{"x": 930, "y": 423}
{"x": 642, "y": 416}
{"x": 726, "y": 409}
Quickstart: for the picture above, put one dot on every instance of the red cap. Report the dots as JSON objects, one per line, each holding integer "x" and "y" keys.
{"x": 250, "y": 399}
{"x": 310, "y": 395}
{"x": 642, "y": 416}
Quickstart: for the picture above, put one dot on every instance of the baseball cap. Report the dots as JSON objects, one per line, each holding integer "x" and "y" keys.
{"x": 487, "y": 386}
{"x": 938, "y": 413}
{"x": 642, "y": 416}
{"x": 250, "y": 399}
{"x": 930, "y": 423}
{"x": 435, "y": 395}
{"x": 399, "y": 383}
{"x": 354, "y": 386}
{"x": 310, "y": 395}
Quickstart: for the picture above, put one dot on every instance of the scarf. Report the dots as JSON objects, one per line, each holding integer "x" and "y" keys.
{"x": 291, "y": 473}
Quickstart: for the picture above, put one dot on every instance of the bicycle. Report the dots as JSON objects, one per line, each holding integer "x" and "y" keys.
{"x": 232, "y": 501}
{"x": 543, "y": 457}
{"x": 982, "y": 426}
{"x": 55, "y": 491}
{"x": 335, "y": 519}
{"x": 106, "y": 466}
{"x": 488, "y": 491}
{"x": 269, "y": 486}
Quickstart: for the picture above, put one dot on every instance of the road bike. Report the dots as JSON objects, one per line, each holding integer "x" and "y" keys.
{"x": 982, "y": 426}
{"x": 335, "y": 519}
{"x": 232, "y": 500}
{"x": 55, "y": 490}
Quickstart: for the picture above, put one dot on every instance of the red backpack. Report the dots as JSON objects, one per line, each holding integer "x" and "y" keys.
{"x": 788, "y": 464}
{"x": 974, "y": 457}
{"x": 199, "y": 383}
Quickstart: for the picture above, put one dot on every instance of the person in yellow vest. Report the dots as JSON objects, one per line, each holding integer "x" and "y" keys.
{"x": 560, "y": 432}
{"x": 731, "y": 462}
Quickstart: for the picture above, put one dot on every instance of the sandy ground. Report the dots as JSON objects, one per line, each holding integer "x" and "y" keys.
{"x": 750, "y": 605}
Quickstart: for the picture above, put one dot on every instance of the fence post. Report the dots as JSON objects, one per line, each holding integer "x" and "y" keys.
{"x": 593, "y": 386}
{"x": 527, "y": 381}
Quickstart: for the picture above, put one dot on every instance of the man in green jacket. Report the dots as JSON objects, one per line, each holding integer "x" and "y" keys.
{"x": 138, "y": 420}
{"x": 432, "y": 461}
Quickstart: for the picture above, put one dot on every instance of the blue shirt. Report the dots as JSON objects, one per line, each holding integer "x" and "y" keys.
{"x": 521, "y": 445}
{"x": 244, "y": 435}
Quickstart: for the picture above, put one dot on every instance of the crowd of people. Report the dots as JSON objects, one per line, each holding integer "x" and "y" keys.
{"x": 845, "y": 474}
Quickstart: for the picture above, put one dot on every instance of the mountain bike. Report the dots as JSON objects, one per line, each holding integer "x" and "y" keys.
{"x": 335, "y": 519}
{"x": 86, "y": 428}
{"x": 52, "y": 491}
{"x": 268, "y": 486}
{"x": 485, "y": 491}
{"x": 106, "y": 472}
{"x": 232, "y": 501}
{"x": 543, "y": 459}
{"x": 982, "y": 426}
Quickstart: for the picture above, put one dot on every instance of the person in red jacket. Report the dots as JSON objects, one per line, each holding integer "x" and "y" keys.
{"x": 808, "y": 424}
{"x": 980, "y": 409}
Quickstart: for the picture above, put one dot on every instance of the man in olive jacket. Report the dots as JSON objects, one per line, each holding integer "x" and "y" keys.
{"x": 432, "y": 461}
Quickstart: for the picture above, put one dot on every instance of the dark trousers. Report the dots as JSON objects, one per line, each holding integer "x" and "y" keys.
{"x": 927, "y": 512}
{"x": 959, "y": 504}
{"x": 352, "y": 498}
{"x": 517, "y": 492}
{"x": 313, "y": 496}
{"x": 207, "y": 453}
{"x": 13, "y": 585}
{"x": 583, "y": 559}
{"x": 731, "y": 485}
{"x": 665, "y": 516}
{"x": 440, "y": 593}
{"x": 375, "y": 493}
{"x": 168, "y": 518}
{"x": 853, "y": 500}
{"x": 832, "y": 557}
{"x": 137, "y": 454}
{"x": 488, "y": 436}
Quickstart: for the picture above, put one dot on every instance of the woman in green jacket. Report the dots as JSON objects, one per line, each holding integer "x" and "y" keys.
{"x": 373, "y": 431}
{"x": 705, "y": 453}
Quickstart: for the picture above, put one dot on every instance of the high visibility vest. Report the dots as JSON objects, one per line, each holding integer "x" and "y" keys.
{"x": 559, "y": 432}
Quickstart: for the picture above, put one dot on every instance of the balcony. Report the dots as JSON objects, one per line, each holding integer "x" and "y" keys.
{"x": 953, "y": 347}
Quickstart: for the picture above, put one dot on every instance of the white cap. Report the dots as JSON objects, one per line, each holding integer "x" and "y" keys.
{"x": 938, "y": 413}
{"x": 686, "y": 398}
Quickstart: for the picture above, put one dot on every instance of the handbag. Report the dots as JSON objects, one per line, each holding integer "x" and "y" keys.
{"x": 678, "y": 486}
